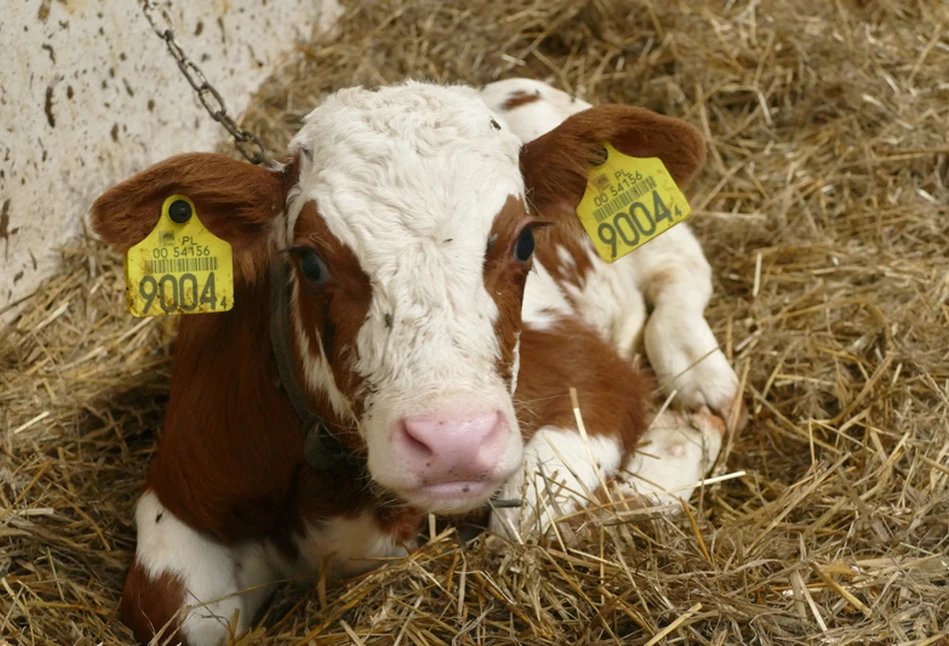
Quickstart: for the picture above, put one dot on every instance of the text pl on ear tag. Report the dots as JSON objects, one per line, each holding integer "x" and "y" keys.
{"x": 180, "y": 267}
{"x": 629, "y": 201}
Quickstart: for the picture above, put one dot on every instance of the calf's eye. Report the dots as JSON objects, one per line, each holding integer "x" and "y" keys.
{"x": 313, "y": 267}
{"x": 524, "y": 247}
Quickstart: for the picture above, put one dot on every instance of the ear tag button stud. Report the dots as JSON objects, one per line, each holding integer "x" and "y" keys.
{"x": 180, "y": 267}
{"x": 628, "y": 202}
{"x": 180, "y": 211}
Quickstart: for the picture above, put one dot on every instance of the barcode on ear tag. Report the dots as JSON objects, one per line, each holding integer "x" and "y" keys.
{"x": 180, "y": 267}
{"x": 628, "y": 202}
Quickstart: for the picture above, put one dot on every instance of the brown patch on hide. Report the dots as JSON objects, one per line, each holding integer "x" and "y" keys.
{"x": 519, "y": 98}
{"x": 227, "y": 459}
{"x": 401, "y": 523}
{"x": 331, "y": 314}
{"x": 613, "y": 396}
{"x": 504, "y": 280}
{"x": 575, "y": 245}
{"x": 150, "y": 605}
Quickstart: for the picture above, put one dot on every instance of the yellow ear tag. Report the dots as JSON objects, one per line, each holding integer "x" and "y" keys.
{"x": 180, "y": 267}
{"x": 628, "y": 202}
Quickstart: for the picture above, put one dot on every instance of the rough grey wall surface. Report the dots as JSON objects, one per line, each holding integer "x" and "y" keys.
{"x": 89, "y": 95}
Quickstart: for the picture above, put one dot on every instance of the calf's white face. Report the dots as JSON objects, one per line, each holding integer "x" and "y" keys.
{"x": 411, "y": 245}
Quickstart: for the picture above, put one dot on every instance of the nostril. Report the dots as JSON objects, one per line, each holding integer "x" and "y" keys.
{"x": 420, "y": 447}
{"x": 492, "y": 426}
{"x": 414, "y": 444}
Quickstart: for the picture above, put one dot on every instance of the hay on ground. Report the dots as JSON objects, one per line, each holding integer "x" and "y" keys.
{"x": 823, "y": 209}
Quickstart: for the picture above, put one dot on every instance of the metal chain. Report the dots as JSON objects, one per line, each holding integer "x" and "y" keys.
{"x": 247, "y": 143}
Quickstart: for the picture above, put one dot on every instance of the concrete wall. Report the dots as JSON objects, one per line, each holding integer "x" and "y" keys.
{"x": 89, "y": 95}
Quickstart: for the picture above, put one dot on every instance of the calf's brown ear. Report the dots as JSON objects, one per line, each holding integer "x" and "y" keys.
{"x": 555, "y": 166}
{"x": 235, "y": 200}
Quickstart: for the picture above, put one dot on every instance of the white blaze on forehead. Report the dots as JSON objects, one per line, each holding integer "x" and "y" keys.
{"x": 411, "y": 178}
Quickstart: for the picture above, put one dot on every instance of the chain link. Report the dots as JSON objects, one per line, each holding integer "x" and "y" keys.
{"x": 247, "y": 143}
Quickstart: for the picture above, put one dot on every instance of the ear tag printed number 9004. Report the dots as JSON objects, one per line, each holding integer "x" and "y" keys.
{"x": 628, "y": 202}
{"x": 180, "y": 267}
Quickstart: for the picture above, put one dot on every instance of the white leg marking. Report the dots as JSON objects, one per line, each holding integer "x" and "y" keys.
{"x": 557, "y": 479}
{"x": 347, "y": 546}
{"x": 679, "y": 343}
{"x": 679, "y": 451}
{"x": 213, "y": 574}
{"x": 685, "y": 355}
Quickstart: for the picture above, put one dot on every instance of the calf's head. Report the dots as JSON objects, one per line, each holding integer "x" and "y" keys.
{"x": 404, "y": 215}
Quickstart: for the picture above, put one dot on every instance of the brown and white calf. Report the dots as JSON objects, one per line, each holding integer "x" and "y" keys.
{"x": 440, "y": 302}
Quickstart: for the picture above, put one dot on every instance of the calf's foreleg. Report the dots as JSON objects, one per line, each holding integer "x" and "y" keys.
{"x": 187, "y": 587}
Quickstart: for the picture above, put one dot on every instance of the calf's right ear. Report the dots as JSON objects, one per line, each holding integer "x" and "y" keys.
{"x": 235, "y": 200}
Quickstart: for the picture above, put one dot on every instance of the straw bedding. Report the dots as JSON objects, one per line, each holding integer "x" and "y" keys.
{"x": 823, "y": 209}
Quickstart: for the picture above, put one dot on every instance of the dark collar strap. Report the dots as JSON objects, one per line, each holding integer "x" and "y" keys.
{"x": 321, "y": 450}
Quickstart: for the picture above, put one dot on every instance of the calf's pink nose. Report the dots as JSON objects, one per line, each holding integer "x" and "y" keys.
{"x": 449, "y": 447}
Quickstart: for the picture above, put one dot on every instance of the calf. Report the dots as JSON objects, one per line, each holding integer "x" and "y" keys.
{"x": 413, "y": 301}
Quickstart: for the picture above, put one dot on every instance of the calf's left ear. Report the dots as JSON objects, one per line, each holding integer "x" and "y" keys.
{"x": 556, "y": 165}
{"x": 235, "y": 200}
